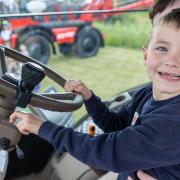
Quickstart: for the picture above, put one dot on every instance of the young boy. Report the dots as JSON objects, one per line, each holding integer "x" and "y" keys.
{"x": 31, "y": 142}
{"x": 144, "y": 134}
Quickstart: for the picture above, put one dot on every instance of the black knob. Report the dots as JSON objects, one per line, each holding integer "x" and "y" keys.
{"x": 31, "y": 75}
{"x": 4, "y": 143}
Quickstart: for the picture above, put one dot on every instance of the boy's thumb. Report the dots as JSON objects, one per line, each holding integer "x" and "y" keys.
{"x": 144, "y": 176}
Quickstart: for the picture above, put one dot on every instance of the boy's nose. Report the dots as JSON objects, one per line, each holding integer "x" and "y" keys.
{"x": 173, "y": 61}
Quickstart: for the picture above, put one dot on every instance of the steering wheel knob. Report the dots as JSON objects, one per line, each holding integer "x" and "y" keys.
{"x": 31, "y": 75}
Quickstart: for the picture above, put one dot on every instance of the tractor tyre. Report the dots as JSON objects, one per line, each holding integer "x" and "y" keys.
{"x": 88, "y": 42}
{"x": 36, "y": 46}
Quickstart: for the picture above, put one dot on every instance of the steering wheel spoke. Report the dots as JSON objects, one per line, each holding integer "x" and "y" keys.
{"x": 57, "y": 102}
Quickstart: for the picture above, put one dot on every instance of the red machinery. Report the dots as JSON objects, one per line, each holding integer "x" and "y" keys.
{"x": 71, "y": 32}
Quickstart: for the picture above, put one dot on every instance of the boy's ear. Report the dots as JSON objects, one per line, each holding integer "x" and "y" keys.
{"x": 144, "y": 49}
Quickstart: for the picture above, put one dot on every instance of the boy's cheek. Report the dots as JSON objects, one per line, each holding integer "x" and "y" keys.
{"x": 145, "y": 62}
{"x": 149, "y": 74}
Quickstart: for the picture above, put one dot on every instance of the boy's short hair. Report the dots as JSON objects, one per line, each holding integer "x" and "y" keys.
{"x": 171, "y": 17}
{"x": 159, "y": 6}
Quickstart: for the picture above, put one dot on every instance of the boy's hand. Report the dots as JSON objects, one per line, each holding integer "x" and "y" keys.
{"x": 79, "y": 87}
{"x": 27, "y": 123}
{"x": 142, "y": 176}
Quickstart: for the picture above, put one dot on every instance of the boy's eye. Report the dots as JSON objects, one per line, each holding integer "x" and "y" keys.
{"x": 162, "y": 49}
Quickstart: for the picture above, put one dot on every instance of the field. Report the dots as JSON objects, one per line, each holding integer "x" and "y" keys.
{"x": 113, "y": 70}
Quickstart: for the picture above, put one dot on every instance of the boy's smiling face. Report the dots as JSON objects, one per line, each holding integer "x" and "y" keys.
{"x": 162, "y": 60}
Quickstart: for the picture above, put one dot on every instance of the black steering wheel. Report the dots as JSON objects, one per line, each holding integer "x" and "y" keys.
{"x": 64, "y": 102}
{"x": 58, "y": 102}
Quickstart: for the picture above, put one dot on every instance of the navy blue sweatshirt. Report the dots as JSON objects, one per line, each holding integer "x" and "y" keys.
{"x": 143, "y": 135}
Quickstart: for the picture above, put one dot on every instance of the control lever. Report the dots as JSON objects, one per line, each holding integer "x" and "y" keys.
{"x": 31, "y": 75}
{"x": 19, "y": 153}
{"x": 4, "y": 145}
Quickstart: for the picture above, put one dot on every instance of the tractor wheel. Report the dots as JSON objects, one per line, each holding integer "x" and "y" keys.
{"x": 88, "y": 42}
{"x": 36, "y": 46}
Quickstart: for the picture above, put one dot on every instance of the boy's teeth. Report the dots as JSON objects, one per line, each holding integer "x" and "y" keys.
{"x": 172, "y": 76}
{"x": 168, "y": 74}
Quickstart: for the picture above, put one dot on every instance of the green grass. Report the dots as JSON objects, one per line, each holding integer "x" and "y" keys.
{"x": 113, "y": 70}
{"x": 130, "y": 31}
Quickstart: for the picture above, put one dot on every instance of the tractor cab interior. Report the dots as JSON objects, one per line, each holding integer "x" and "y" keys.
{"x": 30, "y": 157}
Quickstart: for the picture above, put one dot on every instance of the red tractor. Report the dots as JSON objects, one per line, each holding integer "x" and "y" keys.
{"x": 72, "y": 33}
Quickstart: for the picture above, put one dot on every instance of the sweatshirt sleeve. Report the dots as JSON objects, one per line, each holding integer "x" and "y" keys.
{"x": 105, "y": 118}
{"x": 154, "y": 143}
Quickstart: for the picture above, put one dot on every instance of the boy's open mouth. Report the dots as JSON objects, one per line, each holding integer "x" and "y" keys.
{"x": 169, "y": 76}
